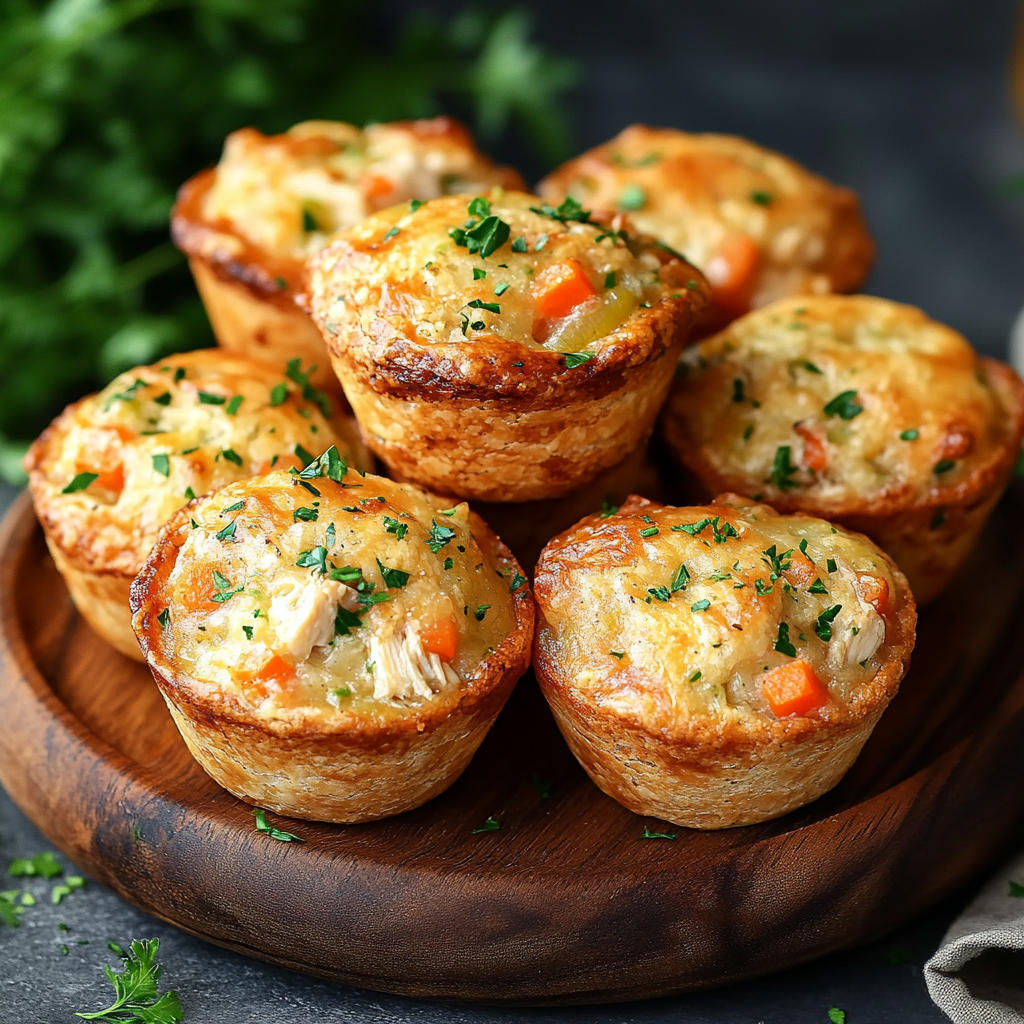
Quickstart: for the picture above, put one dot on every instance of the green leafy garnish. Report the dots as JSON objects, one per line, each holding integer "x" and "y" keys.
{"x": 659, "y": 593}
{"x": 910, "y": 435}
{"x": 228, "y": 533}
{"x": 649, "y": 531}
{"x": 137, "y": 997}
{"x": 314, "y": 558}
{"x": 738, "y": 392}
{"x": 393, "y": 578}
{"x": 500, "y": 289}
{"x": 304, "y": 456}
{"x": 234, "y": 405}
{"x": 232, "y": 456}
{"x": 42, "y": 865}
{"x": 330, "y": 464}
{"x": 278, "y": 393}
{"x": 487, "y": 233}
{"x": 164, "y": 618}
{"x": 608, "y": 509}
{"x": 479, "y": 273}
{"x": 761, "y": 198}
{"x": 632, "y": 197}
{"x": 225, "y": 591}
{"x": 162, "y": 464}
{"x": 830, "y": 565}
{"x": 782, "y": 642}
{"x": 823, "y": 625}
{"x": 481, "y": 612}
{"x": 9, "y": 912}
{"x": 817, "y": 587}
{"x": 609, "y": 279}
{"x": 700, "y": 606}
{"x": 391, "y": 234}
{"x": 519, "y": 245}
{"x": 837, "y": 1016}
{"x": 648, "y": 834}
{"x": 439, "y": 536}
{"x": 680, "y": 578}
{"x": 574, "y": 359}
{"x": 783, "y": 468}
{"x": 943, "y": 466}
{"x": 71, "y": 883}
{"x": 294, "y": 372}
{"x": 415, "y": 204}
{"x": 491, "y": 307}
{"x": 274, "y": 833}
{"x": 518, "y": 580}
{"x": 490, "y": 825}
{"x": 305, "y": 514}
{"x": 164, "y": 399}
{"x": 809, "y": 366}
{"x": 844, "y": 406}
{"x": 569, "y": 209}
{"x": 80, "y": 482}
{"x": 618, "y": 655}
{"x": 206, "y": 398}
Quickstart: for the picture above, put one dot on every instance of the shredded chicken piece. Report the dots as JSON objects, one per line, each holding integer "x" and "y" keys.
{"x": 302, "y": 612}
{"x": 403, "y": 669}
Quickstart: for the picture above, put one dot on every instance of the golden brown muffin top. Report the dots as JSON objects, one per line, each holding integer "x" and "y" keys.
{"x": 112, "y": 468}
{"x": 323, "y": 593}
{"x": 841, "y": 400}
{"x": 758, "y": 224}
{"x": 713, "y": 618}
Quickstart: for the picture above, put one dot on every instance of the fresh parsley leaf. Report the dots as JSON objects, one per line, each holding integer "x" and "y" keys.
{"x": 618, "y": 655}
{"x": 762, "y": 198}
{"x": 480, "y": 612}
{"x": 247, "y": 630}
{"x": 569, "y": 209}
{"x": 448, "y": 563}
{"x": 649, "y": 531}
{"x": 304, "y": 456}
{"x": 738, "y": 393}
{"x": 80, "y": 482}
{"x": 648, "y": 834}
{"x": 9, "y": 913}
{"x": 164, "y": 399}
{"x": 394, "y": 526}
{"x": 491, "y": 307}
{"x": 393, "y": 578}
{"x": 783, "y": 468}
{"x": 938, "y": 519}
{"x": 910, "y": 435}
{"x": 479, "y": 206}
{"x": 632, "y": 197}
{"x": 782, "y": 642}
{"x": 274, "y": 833}
{"x": 518, "y": 580}
{"x": 490, "y": 825}
{"x": 659, "y": 593}
{"x": 314, "y": 558}
{"x": 305, "y": 514}
{"x": 206, "y": 398}
{"x": 519, "y": 245}
{"x": 42, "y": 865}
{"x": 162, "y": 464}
{"x": 391, "y": 234}
{"x": 308, "y": 221}
{"x": 439, "y": 536}
{"x": 234, "y": 405}
{"x": 574, "y": 359}
{"x": 830, "y": 564}
{"x": 817, "y": 587}
{"x": 415, "y": 204}
{"x": 809, "y": 366}
{"x": 137, "y": 997}
{"x": 330, "y": 464}
{"x": 608, "y": 509}
{"x": 479, "y": 273}
{"x": 164, "y": 618}
{"x": 294, "y": 372}
{"x": 232, "y": 456}
{"x": 278, "y": 393}
{"x": 228, "y": 533}
{"x": 680, "y": 578}
{"x": 837, "y": 1016}
{"x": 943, "y": 466}
{"x": 500, "y": 289}
{"x": 609, "y": 279}
{"x": 844, "y": 406}
{"x": 489, "y": 235}
{"x": 823, "y": 625}
{"x": 700, "y": 606}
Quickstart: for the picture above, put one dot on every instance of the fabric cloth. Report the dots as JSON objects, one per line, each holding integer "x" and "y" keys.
{"x": 977, "y": 974}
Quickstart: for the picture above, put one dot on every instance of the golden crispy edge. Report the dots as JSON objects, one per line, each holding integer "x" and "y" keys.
{"x": 358, "y": 770}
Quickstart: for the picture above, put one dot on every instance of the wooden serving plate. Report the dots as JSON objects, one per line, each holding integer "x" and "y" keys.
{"x": 565, "y": 903}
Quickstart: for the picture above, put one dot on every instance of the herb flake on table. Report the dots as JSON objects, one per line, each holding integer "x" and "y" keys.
{"x": 137, "y": 996}
{"x": 490, "y": 825}
{"x": 42, "y": 865}
{"x": 648, "y": 834}
{"x": 274, "y": 833}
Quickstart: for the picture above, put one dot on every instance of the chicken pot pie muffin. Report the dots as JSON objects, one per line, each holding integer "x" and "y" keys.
{"x": 332, "y": 646}
{"x": 113, "y": 467}
{"x": 858, "y": 410}
{"x": 248, "y": 224}
{"x": 758, "y": 224}
{"x": 498, "y": 348}
{"x": 718, "y": 665}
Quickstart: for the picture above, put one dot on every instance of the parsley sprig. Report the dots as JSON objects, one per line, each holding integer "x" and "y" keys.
{"x": 274, "y": 833}
{"x": 484, "y": 232}
{"x": 569, "y": 209}
{"x": 137, "y": 998}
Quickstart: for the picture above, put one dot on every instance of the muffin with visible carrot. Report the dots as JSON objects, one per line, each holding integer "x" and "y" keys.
{"x": 112, "y": 468}
{"x": 759, "y": 225}
{"x": 248, "y": 224}
{"x": 718, "y": 665}
{"x": 859, "y": 410}
{"x": 332, "y": 646}
{"x": 498, "y": 348}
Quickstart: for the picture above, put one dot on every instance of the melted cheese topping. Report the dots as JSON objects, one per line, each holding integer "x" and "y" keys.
{"x": 664, "y": 624}
{"x": 369, "y": 596}
{"x": 158, "y": 436}
{"x": 403, "y": 267}
{"x": 287, "y": 193}
{"x": 835, "y": 397}
{"x": 700, "y": 192}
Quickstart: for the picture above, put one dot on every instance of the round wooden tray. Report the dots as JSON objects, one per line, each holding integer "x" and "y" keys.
{"x": 565, "y": 902}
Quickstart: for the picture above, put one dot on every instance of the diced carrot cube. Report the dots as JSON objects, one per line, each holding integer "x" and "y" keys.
{"x": 375, "y": 186}
{"x": 793, "y": 689}
{"x": 802, "y": 571}
{"x": 815, "y": 449}
{"x": 875, "y": 591}
{"x": 560, "y": 288}
{"x": 441, "y": 638}
{"x": 275, "y": 670}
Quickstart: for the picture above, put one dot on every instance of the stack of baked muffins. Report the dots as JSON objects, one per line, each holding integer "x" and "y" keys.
{"x": 335, "y": 644}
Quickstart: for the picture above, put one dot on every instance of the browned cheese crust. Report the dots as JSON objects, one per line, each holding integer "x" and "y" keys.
{"x": 341, "y": 654}
{"x": 248, "y": 224}
{"x": 859, "y": 410}
{"x": 459, "y": 379}
{"x": 155, "y": 437}
{"x": 662, "y": 635}
{"x": 757, "y": 224}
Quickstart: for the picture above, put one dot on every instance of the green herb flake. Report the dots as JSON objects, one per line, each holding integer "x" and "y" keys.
{"x": 519, "y": 245}
{"x": 648, "y": 834}
{"x": 738, "y": 392}
{"x": 649, "y": 531}
{"x": 500, "y": 289}
{"x": 137, "y": 997}
{"x": 228, "y": 533}
{"x": 42, "y": 865}
{"x": 391, "y": 234}
{"x": 574, "y": 359}
{"x": 632, "y": 197}
{"x": 609, "y": 279}
{"x": 783, "y": 468}
{"x": 314, "y": 558}
{"x": 659, "y": 593}
{"x": 910, "y": 435}
{"x": 817, "y": 587}
{"x": 481, "y": 612}
{"x": 943, "y": 466}
{"x": 274, "y": 833}
{"x": 448, "y": 563}
{"x": 844, "y": 406}
{"x": 490, "y": 825}
{"x": 232, "y": 456}
{"x": 830, "y": 565}
{"x": 278, "y": 393}
{"x": 479, "y": 274}
{"x": 392, "y": 525}
{"x": 679, "y": 579}
{"x": 394, "y": 579}
{"x": 164, "y": 618}
{"x": 162, "y": 464}
{"x": 518, "y": 581}
{"x": 305, "y": 515}
{"x": 782, "y": 642}
{"x": 164, "y": 399}
{"x": 618, "y": 655}
{"x": 206, "y": 398}
{"x": 823, "y": 625}
{"x": 80, "y": 482}
{"x": 762, "y": 198}
{"x": 234, "y": 405}
{"x": 439, "y": 536}
{"x": 608, "y": 509}
{"x": 700, "y": 606}
{"x": 569, "y": 209}
{"x": 837, "y": 1016}
{"x": 938, "y": 519}
{"x": 415, "y": 204}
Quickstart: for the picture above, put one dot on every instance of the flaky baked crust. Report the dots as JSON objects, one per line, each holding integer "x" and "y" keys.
{"x": 916, "y": 462}
{"x": 702, "y": 192}
{"x": 358, "y": 759}
{"x": 489, "y": 412}
{"x": 672, "y": 722}
{"x": 99, "y": 536}
{"x": 250, "y": 275}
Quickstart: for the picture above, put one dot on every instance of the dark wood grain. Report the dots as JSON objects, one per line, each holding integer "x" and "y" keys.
{"x": 565, "y": 903}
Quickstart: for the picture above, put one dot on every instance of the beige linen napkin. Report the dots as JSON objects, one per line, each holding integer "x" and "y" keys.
{"x": 977, "y": 974}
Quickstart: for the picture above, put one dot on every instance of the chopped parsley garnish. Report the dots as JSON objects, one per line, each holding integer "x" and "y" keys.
{"x": 225, "y": 590}
{"x": 823, "y": 625}
{"x": 649, "y": 531}
{"x": 809, "y": 366}
{"x": 761, "y": 198}
{"x": 817, "y": 587}
{"x": 519, "y": 245}
{"x": 394, "y": 526}
{"x": 680, "y": 578}
{"x": 491, "y": 307}
{"x": 608, "y": 509}
{"x": 844, "y": 406}
{"x": 830, "y": 564}
{"x": 274, "y": 833}
{"x": 574, "y": 359}
{"x": 943, "y": 466}
{"x": 632, "y": 197}
{"x": 481, "y": 612}
{"x": 347, "y": 574}
{"x": 490, "y": 825}
{"x": 700, "y": 606}
{"x": 206, "y": 398}
{"x": 483, "y": 236}
{"x": 648, "y": 834}
{"x": 783, "y": 468}
{"x": 618, "y": 655}
{"x": 500, "y": 289}
{"x": 659, "y": 593}
{"x": 777, "y": 564}
{"x": 394, "y": 579}
{"x": 449, "y": 562}
{"x": 569, "y": 209}
{"x": 747, "y": 431}
{"x": 137, "y": 998}
{"x": 479, "y": 274}
{"x": 164, "y": 399}
{"x": 314, "y": 558}
{"x": 782, "y": 642}
{"x": 234, "y": 405}
{"x": 609, "y": 279}
{"x": 162, "y": 464}
{"x": 938, "y": 519}
{"x": 391, "y": 234}
{"x": 540, "y": 243}
{"x": 228, "y": 533}
{"x": 294, "y": 372}
{"x": 738, "y": 394}
{"x": 238, "y": 506}
{"x": 164, "y": 617}
{"x": 42, "y": 865}
{"x": 836, "y": 1016}
{"x": 278, "y": 393}
{"x": 696, "y": 675}
{"x": 304, "y": 456}
{"x": 721, "y": 530}
{"x": 910, "y": 435}
{"x": 305, "y": 514}
{"x": 762, "y": 588}
{"x": 179, "y": 374}
{"x": 247, "y": 630}
{"x": 79, "y": 482}
{"x": 308, "y": 221}
{"x": 232, "y": 456}
{"x": 128, "y": 395}
{"x": 439, "y": 536}
{"x": 518, "y": 580}
{"x": 339, "y": 693}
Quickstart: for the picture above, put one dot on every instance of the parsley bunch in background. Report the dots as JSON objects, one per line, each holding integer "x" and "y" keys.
{"x": 107, "y": 106}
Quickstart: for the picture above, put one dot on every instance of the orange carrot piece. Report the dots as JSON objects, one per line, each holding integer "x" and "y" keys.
{"x": 802, "y": 571}
{"x": 441, "y": 638}
{"x": 875, "y": 591}
{"x": 275, "y": 670}
{"x": 561, "y": 288}
{"x": 109, "y": 478}
{"x": 815, "y": 450}
{"x": 375, "y": 186}
{"x": 731, "y": 273}
{"x": 793, "y": 689}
